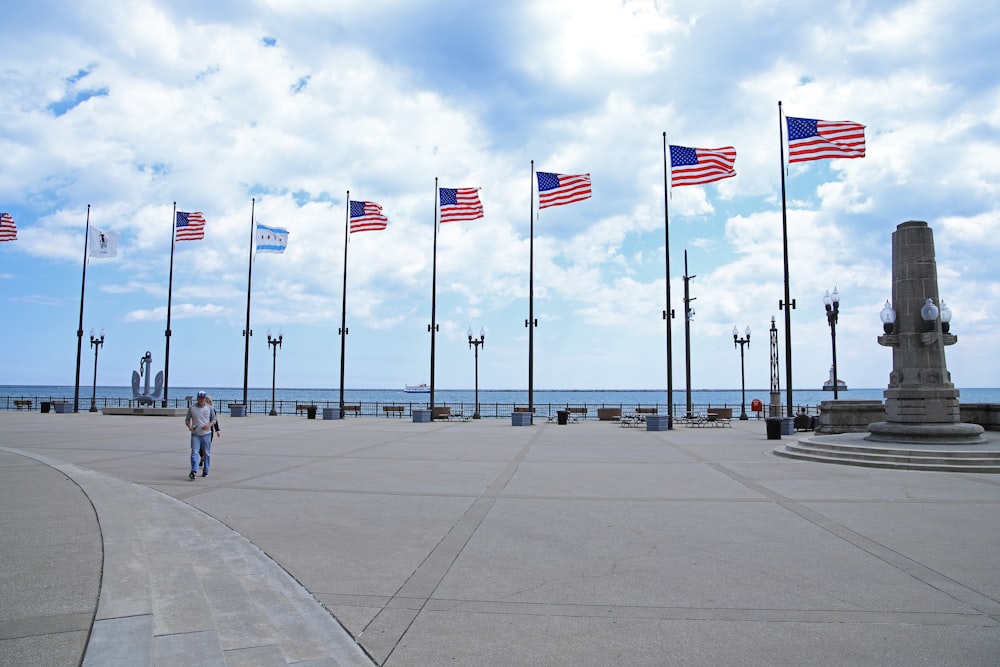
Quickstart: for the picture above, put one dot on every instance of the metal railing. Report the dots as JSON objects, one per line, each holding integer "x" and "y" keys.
{"x": 375, "y": 408}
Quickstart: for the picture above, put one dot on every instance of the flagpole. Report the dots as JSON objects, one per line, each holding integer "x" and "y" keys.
{"x": 170, "y": 292}
{"x": 668, "y": 313}
{"x": 79, "y": 330}
{"x": 788, "y": 303}
{"x": 433, "y": 326}
{"x": 248, "y": 332}
{"x": 530, "y": 322}
{"x": 343, "y": 303}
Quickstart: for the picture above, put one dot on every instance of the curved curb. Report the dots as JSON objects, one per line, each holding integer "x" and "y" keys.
{"x": 180, "y": 586}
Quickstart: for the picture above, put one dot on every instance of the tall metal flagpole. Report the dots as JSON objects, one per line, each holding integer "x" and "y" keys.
{"x": 79, "y": 330}
{"x": 788, "y": 304}
{"x": 170, "y": 293}
{"x": 343, "y": 302}
{"x": 668, "y": 313}
{"x": 247, "y": 332}
{"x": 531, "y": 323}
{"x": 433, "y": 325}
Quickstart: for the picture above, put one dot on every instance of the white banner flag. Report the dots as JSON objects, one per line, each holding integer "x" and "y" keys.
{"x": 103, "y": 243}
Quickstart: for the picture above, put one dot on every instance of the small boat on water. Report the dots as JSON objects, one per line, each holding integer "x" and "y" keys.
{"x": 422, "y": 388}
{"x": 828, "y": 385}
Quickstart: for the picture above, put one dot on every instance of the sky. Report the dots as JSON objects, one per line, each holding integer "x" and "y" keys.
{"x": 271, "y": 111}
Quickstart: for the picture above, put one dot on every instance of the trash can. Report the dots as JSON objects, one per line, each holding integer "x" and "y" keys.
{"x": 311, "y": 412}
{"x": 237, "y": 410}
{"x": 773, "y": 428}
{"x": 46, "y": 406}
{"x": 787, "y": 426}
{"x": 562, "y": 417}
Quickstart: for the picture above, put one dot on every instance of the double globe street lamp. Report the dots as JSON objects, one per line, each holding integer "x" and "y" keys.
{"x": 477, "y": 343}
{"x": 95, "y": 343}
{"x": 831, "y": 301}
{"x": 275, "y": 343}
{"x": 743, "y": 384}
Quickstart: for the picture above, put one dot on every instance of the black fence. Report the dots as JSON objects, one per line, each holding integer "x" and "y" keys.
{"x": 388, "y": 410}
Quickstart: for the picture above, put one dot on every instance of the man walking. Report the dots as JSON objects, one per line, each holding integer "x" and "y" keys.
{"x": 200, "y": 419}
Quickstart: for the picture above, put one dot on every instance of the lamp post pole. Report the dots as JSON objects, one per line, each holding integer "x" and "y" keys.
{"x": 476, "y": 343}
{"x": 95, "y": 343}
{"x": 832, "y": 304}
{"x": 275, "y": 343}
{"x": 743, "y": 383}
{"x": 688, "y": 316}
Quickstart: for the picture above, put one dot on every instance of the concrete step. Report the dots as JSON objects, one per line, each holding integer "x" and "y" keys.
{"x": 944, "y": 460}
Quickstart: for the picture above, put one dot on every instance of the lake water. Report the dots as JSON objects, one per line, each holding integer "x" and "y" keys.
{"x": 543, "y": 398}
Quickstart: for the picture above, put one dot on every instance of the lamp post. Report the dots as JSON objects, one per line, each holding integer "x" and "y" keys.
{"x": 743, "y": 384}
{"x": 275, "y": 343}
{"x": 832, "y": 304}
{"x": 688, "y": 316}
{"x": 95, "y": 343}
{"x": 476, "y": 343}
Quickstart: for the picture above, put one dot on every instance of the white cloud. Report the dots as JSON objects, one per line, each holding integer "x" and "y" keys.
{"x": 294, "y": 103}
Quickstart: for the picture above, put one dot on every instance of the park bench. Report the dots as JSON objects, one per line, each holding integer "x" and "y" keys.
{"x": 356, "y": 409}
{"x": 396, "y": 410}
{"x": 609, "y": 414}
{"x": 22, "y": 404}
{"x": 307, "y": 408}
{"x": 443, "y": 412}
{"x": 576, "y": 413}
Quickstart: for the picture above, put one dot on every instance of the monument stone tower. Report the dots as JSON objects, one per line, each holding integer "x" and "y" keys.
{"x": 921, "y": 405}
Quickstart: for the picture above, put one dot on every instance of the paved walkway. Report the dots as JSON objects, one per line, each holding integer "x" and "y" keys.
{"x": 380, "y": 541}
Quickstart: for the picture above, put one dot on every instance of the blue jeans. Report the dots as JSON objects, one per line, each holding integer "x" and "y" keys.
{"x": 200, "y": 441}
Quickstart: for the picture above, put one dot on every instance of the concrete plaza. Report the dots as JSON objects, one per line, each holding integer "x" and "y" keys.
{"x": 381, "y": 541}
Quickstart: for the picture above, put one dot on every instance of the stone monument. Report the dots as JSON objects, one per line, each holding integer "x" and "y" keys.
{"x": 921, "y": 403}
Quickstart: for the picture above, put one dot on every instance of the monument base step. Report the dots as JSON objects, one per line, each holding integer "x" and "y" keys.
{"x": 871, "y": 455}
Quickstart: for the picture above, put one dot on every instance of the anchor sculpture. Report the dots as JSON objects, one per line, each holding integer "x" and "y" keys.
{"x": 146, "y": 398}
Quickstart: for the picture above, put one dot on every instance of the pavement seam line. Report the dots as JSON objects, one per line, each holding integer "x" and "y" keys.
{"x": 480, "y": 507}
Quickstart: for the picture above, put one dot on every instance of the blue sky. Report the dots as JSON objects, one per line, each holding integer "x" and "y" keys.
{"x": 131, "y": 107}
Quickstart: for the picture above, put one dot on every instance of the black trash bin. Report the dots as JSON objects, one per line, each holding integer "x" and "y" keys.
{"x": 311, "y": 412}
{"x": 773, "y": 428}
{"x": 562, "y": 417}
{"x": 46, "y": 406}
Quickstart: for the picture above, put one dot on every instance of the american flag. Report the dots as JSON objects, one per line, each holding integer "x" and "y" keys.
{"x": 367, "y": 216}
{"x": 810, "y": 139}
{"x": 190, "y": 226}
{"x": 8, "y": 228}
{"x": 693, "y": 166}
{"x": 459, "y": 204}
{"x": 559, "y": 189}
